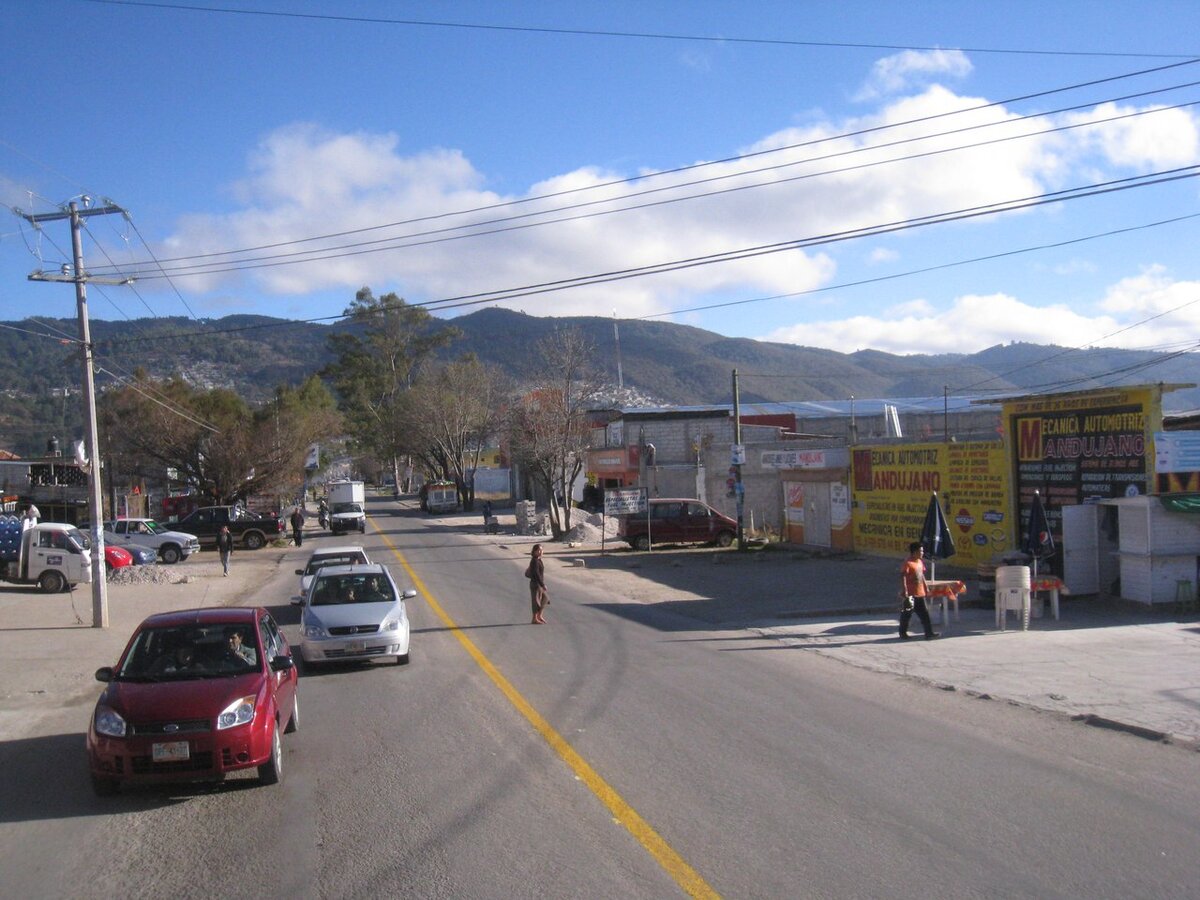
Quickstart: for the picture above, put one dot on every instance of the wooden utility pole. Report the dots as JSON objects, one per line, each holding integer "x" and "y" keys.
{"x": 738, "y": 452}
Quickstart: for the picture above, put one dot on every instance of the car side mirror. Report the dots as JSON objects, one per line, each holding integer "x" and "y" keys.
{"x": 410, "y": 594}
{"x": 299, "y": 571}
{"x": 104, "y": 674}
{"x": 282, "y": 663}
{"x": 298, "y": 600}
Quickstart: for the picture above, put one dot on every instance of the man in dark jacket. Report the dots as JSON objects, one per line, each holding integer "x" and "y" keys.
{"x": 297, "y": 520}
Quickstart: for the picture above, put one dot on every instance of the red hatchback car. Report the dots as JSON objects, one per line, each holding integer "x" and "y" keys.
{"x": 196, "y": 694}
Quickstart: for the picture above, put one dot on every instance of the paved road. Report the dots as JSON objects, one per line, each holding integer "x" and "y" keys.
{"x": 624, "y": 749}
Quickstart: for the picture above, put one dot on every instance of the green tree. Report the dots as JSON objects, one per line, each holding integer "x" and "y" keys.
{"x": 374, "y": 368}
{"x": 218, "y": 443}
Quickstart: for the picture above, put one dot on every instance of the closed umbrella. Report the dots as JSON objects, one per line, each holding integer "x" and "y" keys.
{"x": 1039, "y": 542}
{"x": 935, "y": 535}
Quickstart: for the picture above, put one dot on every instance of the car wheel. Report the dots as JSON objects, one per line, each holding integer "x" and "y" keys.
{"x": 724, "y": 539}
{"x": 170, "y": 554}
{"x": 272, "y": 770}
{"x": 52, "y": 582}
{"x": 294, "y": 719}
{"x": 105, "y": 787}
{"x": 254, "y": 540}
{"x": 402, "y": 659}
{"x": 641, "y": 542}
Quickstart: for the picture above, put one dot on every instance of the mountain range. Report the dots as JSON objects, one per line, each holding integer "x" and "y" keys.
{"x": 661, "y": 363}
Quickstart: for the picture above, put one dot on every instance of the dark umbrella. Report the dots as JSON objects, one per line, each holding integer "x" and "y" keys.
{"x": 1039, "y": 542}
{"x": 935, "y": 534}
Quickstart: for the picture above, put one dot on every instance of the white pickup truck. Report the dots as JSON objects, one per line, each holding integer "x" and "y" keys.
{"x": 171, "y": 546}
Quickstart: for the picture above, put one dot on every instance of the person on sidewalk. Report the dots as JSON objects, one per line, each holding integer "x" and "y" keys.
{"x": 536, "y": 573}
{"x": 912, "y": 577}
{"x": 297, "y": 520}
{"x": 225, "y": 547}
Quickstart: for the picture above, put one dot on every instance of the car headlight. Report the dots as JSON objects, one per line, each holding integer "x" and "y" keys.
{"x": 313, "y": 631}
{"x": 392, "y": 624}
{"x": 239, "y": 712}
{"x": 109, "y": 722}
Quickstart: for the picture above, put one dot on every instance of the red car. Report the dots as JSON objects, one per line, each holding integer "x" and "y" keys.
{"x": 116, "y": 558}
{"x": 196, "y": 694}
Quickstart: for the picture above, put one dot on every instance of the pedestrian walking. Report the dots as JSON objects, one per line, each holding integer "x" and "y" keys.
{"x": 536, "y": 573}
{"x": 225, "y": 548}
{"x": 913, "y": 592}
{"x": 297, "y": 520}
{"x": 487, "y": 513}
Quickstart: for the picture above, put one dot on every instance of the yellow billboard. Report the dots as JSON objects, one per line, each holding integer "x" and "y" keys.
{"x": 892, "y": 486}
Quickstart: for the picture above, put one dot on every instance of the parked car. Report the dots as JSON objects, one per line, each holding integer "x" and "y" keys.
{"x": 330, "y": 556}
{"x": 195, "y": 695}
{"x": 142, "y": 556}
{"x": 172, "y": 546}
{"x": 354, "y": 613}
{"x": 677, "y": 521}
{"x": 116, "y": 558}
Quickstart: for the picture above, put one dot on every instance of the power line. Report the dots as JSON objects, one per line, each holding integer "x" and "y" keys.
{"x": 644, "y": 35}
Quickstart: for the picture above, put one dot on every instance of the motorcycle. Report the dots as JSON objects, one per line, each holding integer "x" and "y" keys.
{"x": 323, "y": 517}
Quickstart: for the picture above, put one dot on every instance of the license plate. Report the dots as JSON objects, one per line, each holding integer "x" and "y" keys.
{"x": 356, "y": 646}
{"x": 173, "y": 751}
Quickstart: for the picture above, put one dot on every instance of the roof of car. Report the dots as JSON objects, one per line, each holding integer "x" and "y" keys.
{"x": 212, "y": 615}
{"x": 337, "y": 551}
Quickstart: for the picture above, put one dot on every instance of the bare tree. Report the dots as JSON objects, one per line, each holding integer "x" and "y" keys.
{"x": 549, "y": 425}
{"x": 455, "y": 410}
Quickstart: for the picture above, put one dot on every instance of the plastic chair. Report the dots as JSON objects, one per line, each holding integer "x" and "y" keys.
{"x": 1012, "y": 592}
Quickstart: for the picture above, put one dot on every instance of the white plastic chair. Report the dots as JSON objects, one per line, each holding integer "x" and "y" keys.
{"x": 1012, "y": 593}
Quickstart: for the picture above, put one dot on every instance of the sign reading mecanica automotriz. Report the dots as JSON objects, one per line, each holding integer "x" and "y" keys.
{"x": 892, "y": 486}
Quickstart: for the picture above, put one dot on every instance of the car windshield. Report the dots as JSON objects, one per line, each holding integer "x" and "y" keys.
{"x": 333, "y": 590}
{"x": 341, "y": 559}
{"x": 347, "y": 508}
{"x": 190, "y": 651}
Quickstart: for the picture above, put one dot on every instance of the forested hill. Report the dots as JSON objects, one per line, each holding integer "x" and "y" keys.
{"x": 661, "y": 362}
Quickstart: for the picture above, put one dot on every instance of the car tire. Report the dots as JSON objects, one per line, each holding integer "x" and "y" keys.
{"x": 105, "y": 787}
{"x": 724, "y": 539}
{"x": 641, "y": 542}
{"x": 402, "y": 659}
{"x": 294, "y": 718}
{"x": 271, "y": 771}
{"x": 170, "y": 554}
{"x": 52, "y": 582}
{"x": 254, "y": 540}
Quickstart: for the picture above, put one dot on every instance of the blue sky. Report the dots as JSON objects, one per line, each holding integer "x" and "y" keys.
{"x": 330, "y": 125}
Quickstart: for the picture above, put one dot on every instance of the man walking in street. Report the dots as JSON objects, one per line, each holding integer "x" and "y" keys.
{"x": 225, "y": 547}
{"x": 912, "y": 579}
{"x": 297, "y": 521}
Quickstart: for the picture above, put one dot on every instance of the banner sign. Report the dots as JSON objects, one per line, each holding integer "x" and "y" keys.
{"x": 625, "y": 502}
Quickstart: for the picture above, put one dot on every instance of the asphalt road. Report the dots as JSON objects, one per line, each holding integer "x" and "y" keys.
{"x": 621, "y": 750}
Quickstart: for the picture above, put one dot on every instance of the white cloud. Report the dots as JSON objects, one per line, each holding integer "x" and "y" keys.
{"x": 898, "y": 72}
{"x": 972, "y": 323}
{"x": 882, "y": 255}
{"x": 1159, "y": 138}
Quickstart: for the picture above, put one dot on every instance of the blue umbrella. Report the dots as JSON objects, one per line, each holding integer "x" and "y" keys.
{"x": 935, "y": 534}
{"x": 1038, "y": 542}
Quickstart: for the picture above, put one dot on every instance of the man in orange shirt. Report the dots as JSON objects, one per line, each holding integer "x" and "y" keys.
{"x": 912, "y": 575}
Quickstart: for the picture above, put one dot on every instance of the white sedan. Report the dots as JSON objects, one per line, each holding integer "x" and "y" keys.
{"x": 354, "y": 613}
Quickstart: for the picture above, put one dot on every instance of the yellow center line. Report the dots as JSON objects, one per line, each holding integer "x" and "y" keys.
{"x": 672, "y": 863}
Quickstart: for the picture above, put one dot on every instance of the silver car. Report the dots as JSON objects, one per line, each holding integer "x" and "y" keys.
{"x": 330, "y": 556}
{"x": 354, "y": 613}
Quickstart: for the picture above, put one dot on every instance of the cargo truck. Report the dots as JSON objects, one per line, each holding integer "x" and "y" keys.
{"x": 346, "y": 510}
{"x": 49, "y": 555}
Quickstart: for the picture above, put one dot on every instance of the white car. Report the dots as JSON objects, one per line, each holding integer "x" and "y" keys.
{"x": 347, "y": 517}
{"x": 330, "y": 556}
{"x": 171, "y": 546}
{"x": 354, "y": 613}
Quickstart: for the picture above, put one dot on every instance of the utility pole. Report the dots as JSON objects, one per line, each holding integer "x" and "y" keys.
{"x": 617, "y": 340}
{"x": 80, "y": 278}
{"x": 738, "y": 457}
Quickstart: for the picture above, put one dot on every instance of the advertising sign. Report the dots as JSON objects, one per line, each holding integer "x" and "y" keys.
{"x": 892, "y": 487}
{"x": 625, "y": 502}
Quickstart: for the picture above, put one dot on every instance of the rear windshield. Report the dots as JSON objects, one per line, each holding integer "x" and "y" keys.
{"x": 333, "y": 590}
{"x": 341, "y": 559}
